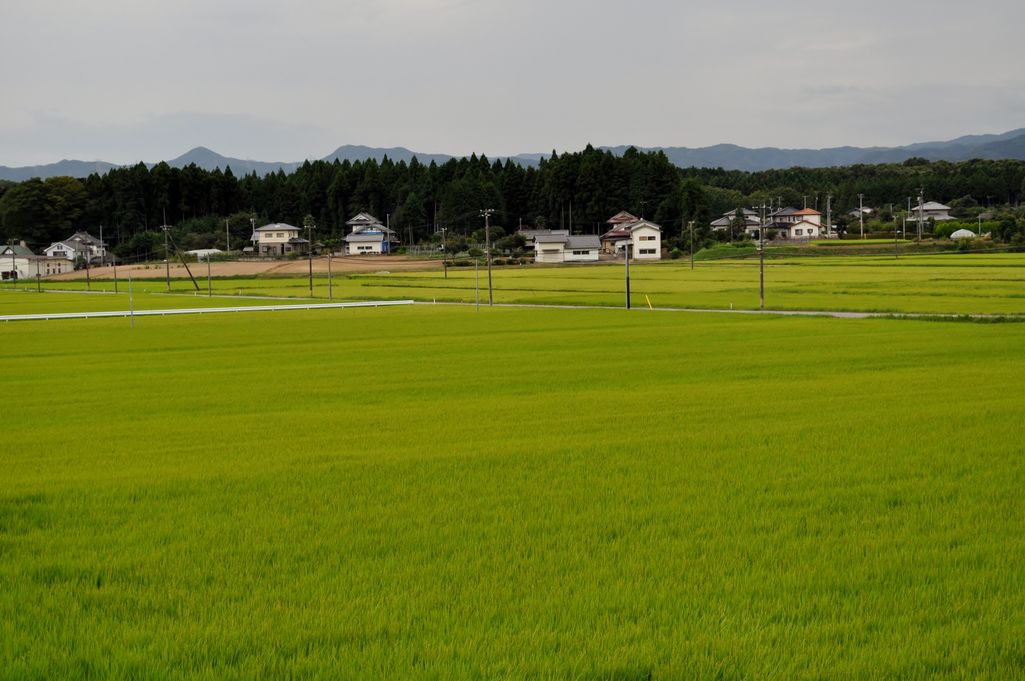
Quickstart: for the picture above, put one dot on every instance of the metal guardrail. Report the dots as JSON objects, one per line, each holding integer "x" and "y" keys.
{"x": 197, "y": 310}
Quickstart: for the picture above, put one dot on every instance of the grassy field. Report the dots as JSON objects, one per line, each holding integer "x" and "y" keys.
{"x": 426, "y": 493}
{"x": 992, "y": 283}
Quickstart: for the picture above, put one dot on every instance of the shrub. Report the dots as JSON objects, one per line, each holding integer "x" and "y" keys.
{"x": 675, "y": 254}
{"x": 461, "y": 263}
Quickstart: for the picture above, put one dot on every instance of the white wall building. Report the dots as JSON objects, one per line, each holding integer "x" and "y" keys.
{"x": 366, "y": 243}
{"x": 643, "y": 236}
{"x": 20, "y": 263}
{"x": 559, "y": 248}
{"x": 930, "y": 210}
{"x": 78, "y": 247}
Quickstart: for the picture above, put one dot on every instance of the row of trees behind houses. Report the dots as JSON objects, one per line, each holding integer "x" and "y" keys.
{"x": 572, "y": 190}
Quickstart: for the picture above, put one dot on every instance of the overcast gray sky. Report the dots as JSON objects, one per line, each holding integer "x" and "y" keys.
{"x": 127, "y": 80}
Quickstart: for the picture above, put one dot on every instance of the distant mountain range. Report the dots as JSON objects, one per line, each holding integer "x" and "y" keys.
{"x": 1009, "y": 145}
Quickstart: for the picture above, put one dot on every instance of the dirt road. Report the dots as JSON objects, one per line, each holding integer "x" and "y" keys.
{"x": 341, "y": 265}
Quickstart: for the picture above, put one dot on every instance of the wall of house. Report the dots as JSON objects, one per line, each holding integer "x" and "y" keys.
{"x": 26, "y": 267}
{"x": 581, "y": 255}
{"x": 549, "y": 253}
{"x": 365, "y": 248}
{"x": 647, "y": 244}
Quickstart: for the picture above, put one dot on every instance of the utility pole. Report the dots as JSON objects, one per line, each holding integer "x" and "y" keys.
{"x": 444, "y": 249}
{"x": 486, "y": 213}
{"x": 113, "y": 261}
{"x": 861, "y": 214}
{"x": 88, "y": 257}
{"x": 131, "y": 304}
{"x": 330, "y": 292}
{"x": 476, "y": 283}
{"x": 829, "y": 215}
{"x": 309, "y": 247}
{"x": 761, "y": 261}
{"x": 209, "y": 286}
{"x": 227, "y": 236}
{"x": 691, "y": 224}
{"x": 167, "y": 258}
{"x": 626, "y": 261}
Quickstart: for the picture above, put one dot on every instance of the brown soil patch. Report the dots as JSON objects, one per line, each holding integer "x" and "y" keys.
{"x": 341, "y": 265}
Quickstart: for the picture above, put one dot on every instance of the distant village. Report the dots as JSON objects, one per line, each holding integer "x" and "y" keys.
{"x": 626, "y": 234}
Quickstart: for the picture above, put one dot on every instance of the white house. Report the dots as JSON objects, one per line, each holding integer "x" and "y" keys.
{"x": 563, "y": 248}
{"x": 279, "y": 238}
{"x": 366, "y": 243}
{"x": 930, "y": 210}
{"x": 643, "y": 236}
{"x": 18, "y": 262}
{"x": 367, "y": 236}
{"x": 78, "y": 246}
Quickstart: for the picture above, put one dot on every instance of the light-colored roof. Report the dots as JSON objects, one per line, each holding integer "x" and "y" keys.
{"x": 363, "y": 219}
{"x": 277, "y": 227}
{"x": 963, "y": 234}
{"x": 931, "y": 205}
{"x": 365, "y": 237}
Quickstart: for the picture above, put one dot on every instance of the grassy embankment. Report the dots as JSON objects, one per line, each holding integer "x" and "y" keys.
{"x": 439, "y": 493}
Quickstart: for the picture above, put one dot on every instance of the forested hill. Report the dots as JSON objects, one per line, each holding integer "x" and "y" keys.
{"x": 1008, "y": 145}
{"x": 579, "y": 190}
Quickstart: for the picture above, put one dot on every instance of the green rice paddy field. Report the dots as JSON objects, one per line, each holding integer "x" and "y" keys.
{"x": 435, "y": 493}
{"x": 982, "y": 283}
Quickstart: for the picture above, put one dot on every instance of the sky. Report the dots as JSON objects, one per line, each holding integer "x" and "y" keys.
{"x": 130, "y": 80}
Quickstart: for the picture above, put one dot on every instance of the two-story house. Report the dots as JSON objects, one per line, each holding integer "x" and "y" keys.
{"x": 279, "y": 238}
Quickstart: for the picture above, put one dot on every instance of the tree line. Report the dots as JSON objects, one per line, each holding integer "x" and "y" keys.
{"x": 577, "y": 191}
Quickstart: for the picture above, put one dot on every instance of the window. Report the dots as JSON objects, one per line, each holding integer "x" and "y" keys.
{"x": 581, "y": 252}
{"x": 798, "y": 232}
{"x": 647, "y": 251}
{"x": 280, "y": 235}
{"x": 647, "y": 238}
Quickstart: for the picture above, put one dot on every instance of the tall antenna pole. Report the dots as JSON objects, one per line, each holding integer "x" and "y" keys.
{"x": 487, "y": 240}
{"x": 227, "y": 236}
